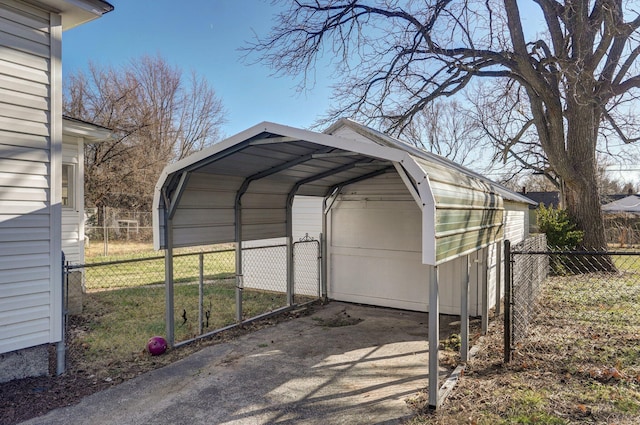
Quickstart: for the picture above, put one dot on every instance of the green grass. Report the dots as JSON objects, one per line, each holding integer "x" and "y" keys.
{"x": 135, "y": 271}
{"x": 579, "y": 364}
{"x": 121, "y": 321}
{"x": 626, "y": 263}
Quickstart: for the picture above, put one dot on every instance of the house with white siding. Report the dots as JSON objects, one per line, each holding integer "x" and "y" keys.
{"x": 33, "y": 184}
{"x": 75, "y": 135}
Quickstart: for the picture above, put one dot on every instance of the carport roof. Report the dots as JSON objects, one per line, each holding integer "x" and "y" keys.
{"x": 430, "y": 157}
{"x": 252, "y": 177}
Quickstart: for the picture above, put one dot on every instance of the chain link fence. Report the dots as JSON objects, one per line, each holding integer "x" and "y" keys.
{"x": 528, "y": 275}
{"x": 622, "y": 230}
{"x": 582, "y": 318}
{"x": 133, "y": 289}
{"x": 107, "y": 227}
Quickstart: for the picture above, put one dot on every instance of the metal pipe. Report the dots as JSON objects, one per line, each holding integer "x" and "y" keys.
{"x": 485, "y": 289}
{"x": 434, "y": 337}
{"x": 498, "y": 277}
{"x": 168, "y": 272}
{"x": 238, "y": 246}
{"x": 320, "y": 262}
{"x": 507, "y": 301}
{"x": 61, "y": 349}
{"x": 290, "y": 265}
{"x": 327, "y": 204}
{"x": 200, "y": 292}
{"x": 168, "y": 285}
{"x": 464, "y": 314}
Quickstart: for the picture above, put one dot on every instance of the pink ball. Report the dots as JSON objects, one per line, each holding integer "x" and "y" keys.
{"x": 157, "y": 345}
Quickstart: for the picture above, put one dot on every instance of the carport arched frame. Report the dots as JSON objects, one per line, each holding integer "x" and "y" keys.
{"x": 256, "y": 174}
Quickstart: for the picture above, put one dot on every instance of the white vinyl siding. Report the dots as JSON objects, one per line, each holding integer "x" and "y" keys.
{"x": 29, "y": 275}
{"x": 72, "y": 216}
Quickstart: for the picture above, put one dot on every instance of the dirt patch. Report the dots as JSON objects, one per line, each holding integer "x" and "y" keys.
{"x": 547, "y": 384}
{"x": 341, "y": 318}
{"x": 23, "y": 399}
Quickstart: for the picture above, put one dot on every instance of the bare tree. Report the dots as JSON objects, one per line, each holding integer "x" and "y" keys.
{"x": 447, "y": 128}
{"x": 395, "y": 57}
{"x": 157, "y": 117}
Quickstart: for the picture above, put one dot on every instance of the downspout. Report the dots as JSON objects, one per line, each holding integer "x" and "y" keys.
{"x": 61, "y": 349}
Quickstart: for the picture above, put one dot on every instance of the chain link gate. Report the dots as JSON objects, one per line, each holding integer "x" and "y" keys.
{"x": 204, "y": 286}
{"x": 264, "y": 288}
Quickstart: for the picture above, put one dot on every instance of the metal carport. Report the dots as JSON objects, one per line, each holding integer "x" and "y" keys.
{"x": 242, "y": 189}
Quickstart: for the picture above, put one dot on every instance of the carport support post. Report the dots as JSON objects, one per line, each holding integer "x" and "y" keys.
{"x": 326, "y": 207}
{"x": 239, "y": 282}
{"x": 434, "y": 337}
{"x": 464, "y": 314}
{"x": 168, "y": 278}
{"x": 290, "y": 271}
{"x": 485, "y": 290}
{"x": 200, "y": 293}
{"x": 498, "y": 277}
{"x": 507, "y": 301}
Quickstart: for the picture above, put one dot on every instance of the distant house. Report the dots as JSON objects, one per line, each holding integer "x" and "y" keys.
{"x": 39, "y": 165}
{"x": 548, "y": 199}
{"x": 609, "y": 198}
{"x": 627, "y": 204}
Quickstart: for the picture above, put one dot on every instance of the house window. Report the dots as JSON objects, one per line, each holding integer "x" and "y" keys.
{"x": 68, "y": 186}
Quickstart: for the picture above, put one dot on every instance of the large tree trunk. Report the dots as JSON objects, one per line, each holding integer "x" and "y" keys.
{"x": 582, "y": 194}
{"x": 583, "y": 204}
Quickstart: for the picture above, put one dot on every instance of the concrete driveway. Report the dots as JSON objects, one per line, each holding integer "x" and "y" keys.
{"x": 304, "y": 371}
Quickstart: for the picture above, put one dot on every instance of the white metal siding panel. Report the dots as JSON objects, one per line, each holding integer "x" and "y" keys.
{"x": 307, "y": 217}
{"x": 469, "y": 212}
{"x": 205, "y": 206}
{"x": 375, "y": 251}
{"x": 516, "y": 222}
{"x": 27, "y": 269}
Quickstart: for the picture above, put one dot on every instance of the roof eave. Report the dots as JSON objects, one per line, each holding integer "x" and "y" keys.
{"x": 76, "y": 12}
{"x": 91, "y": 133}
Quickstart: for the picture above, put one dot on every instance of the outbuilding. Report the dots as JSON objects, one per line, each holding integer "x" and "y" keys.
{"x": 402, "y": 227}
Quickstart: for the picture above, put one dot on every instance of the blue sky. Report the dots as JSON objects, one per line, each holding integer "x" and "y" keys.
{"x": 204, "y": 36}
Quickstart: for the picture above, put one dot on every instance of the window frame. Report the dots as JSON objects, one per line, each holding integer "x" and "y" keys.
{"x": 68, "y": 172}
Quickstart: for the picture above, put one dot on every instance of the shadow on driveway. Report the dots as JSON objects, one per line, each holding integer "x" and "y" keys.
{"x": 343, "y": 364}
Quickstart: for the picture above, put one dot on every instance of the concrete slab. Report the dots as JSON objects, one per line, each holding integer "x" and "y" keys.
{"x": 309, "y": 370}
